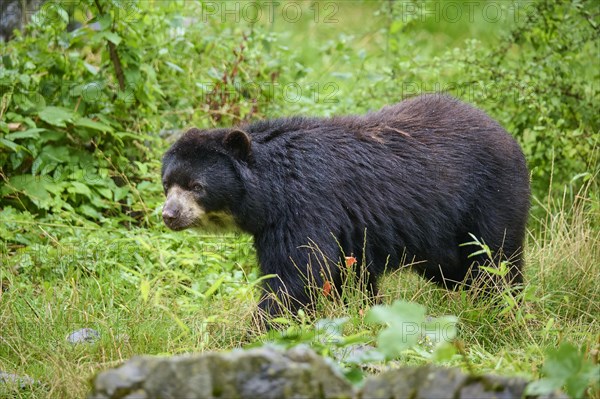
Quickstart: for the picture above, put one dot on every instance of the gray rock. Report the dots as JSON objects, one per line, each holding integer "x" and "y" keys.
{"x": 430, "y": 382}
{"x": 85, "y": 335}
{"x": 22, "y": 382}
{"x": 297, "y": 373}
{"x": 258, "y": 373}
{"x": 412, "y": 382}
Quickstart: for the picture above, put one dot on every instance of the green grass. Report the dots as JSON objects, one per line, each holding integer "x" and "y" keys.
{"x": 153, "y": 291}
{"x": 158, "y": 292}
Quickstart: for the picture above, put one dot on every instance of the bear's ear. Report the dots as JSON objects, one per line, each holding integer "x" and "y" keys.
{"x": 237, "y": 142}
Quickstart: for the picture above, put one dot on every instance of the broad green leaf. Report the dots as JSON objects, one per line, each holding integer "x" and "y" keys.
{"x": 105, "y": 192}
{"x": 33, "y": 187}
{"x": 100, "y": 203}
{"x": 56, "y": 153}
{"x": 91, "y": 68}
{"x": 444, "y": 352}
{"x": 26, "y": 134}
{"x": 146, "y": 185}
{"x": 56, "y": 116}
{"x": 565, "y": 367}
{"x": 29, "y": 100}
{"x": 52, "y": 186}
{"x": 441, "y": 329}
{"x": 121, "y": 192}
{"x": 143, "y": 167}
{"x": 127, "y": 135}
{"x": 86, "y": 122}
{"x": 51, "y": 135}
{"x": 105, "y": 21}
{"x": 79, "y": 188}
{"x": 62, "y": 13}
{"x": 9, "y": 144}
{"x": 112, "y": 37}
{"x": 396, "y": 26}
{"x": 398, "y": 313}
{"x": 392, "y": 342}
{"x": 89, "y": 211}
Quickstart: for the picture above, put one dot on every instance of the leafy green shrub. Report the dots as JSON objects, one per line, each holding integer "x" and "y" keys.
{"x": 405, "y": 329}
{"x": 80, "y": 110}
{"x": 68, "y": 137}
{"x": 566, "y": 367}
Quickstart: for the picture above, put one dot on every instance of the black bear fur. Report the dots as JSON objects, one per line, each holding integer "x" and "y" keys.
{"x": 408, "y": 182}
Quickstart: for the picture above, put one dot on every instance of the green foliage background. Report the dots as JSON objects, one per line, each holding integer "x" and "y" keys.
{"x": 76, "y": 139}
{"x": 86, "y": 115}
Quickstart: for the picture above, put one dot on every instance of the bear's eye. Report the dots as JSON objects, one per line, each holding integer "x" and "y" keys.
{"x": 197, "y": 187}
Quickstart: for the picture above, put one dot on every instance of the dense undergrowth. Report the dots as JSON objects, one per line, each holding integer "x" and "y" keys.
{"x": 85, "y": 115}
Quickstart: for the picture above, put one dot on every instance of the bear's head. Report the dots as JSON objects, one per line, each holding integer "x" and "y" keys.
{"x": 201, "y": 179}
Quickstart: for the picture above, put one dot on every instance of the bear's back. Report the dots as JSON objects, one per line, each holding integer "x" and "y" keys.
{"x": 418, "y": 118}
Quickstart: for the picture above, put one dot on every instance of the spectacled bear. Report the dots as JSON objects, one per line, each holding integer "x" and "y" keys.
{"x": 410, "y": 182}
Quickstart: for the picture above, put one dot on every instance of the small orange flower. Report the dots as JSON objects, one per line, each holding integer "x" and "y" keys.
{"x": 326, "y": 288}
{"x": 350, "y": 261}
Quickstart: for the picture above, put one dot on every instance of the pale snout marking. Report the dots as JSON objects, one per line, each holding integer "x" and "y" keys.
{"x": 181, "y": 209}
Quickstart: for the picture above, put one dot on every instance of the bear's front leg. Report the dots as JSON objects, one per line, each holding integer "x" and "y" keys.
{"x": 299, "y": 269}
